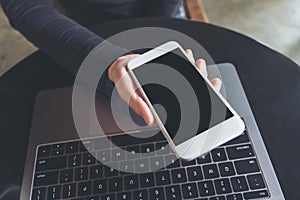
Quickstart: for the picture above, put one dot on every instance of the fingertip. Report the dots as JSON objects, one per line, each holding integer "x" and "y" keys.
{"x": 146, "y": 113}
{"x": 218, "y": 80}
{"x": 188, "y": 51}
{"x": 150, "y": 120}
{"x": 198, "y": 62}
{"x": 134, "y": 104}
{"x": 190, "y": 55}
{"x": 217, "y": 83}
{"x": 148, "y": 117}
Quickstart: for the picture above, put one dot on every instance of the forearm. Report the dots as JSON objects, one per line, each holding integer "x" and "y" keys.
{"x": 67, "y": 42}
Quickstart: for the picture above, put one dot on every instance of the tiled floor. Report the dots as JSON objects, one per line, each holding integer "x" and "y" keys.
{"x": 272, "y": 22}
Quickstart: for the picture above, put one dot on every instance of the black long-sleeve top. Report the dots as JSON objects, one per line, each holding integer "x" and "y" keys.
{"x": 65, "y": 38}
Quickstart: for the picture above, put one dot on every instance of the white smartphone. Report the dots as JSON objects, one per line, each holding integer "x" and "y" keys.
{"x": 193, "y": 117}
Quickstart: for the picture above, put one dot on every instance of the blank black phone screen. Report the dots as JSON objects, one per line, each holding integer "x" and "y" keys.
{"x": 183, "y": 100}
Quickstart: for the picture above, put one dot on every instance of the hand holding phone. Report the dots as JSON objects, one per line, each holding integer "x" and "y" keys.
{"x": 208, "y": 119}
{"x": 126, "y": 89}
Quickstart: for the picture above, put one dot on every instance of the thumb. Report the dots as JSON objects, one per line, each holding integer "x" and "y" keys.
{"x": 140, "y": 107}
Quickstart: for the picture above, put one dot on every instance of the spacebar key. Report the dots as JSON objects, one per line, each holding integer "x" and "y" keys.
{"x": 51, "y": 163}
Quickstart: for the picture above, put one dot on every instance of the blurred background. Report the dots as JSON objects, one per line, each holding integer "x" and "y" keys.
{"x": 275, "y": 23}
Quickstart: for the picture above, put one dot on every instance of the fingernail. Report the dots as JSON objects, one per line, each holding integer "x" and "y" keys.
{"x": 150, "y": 120}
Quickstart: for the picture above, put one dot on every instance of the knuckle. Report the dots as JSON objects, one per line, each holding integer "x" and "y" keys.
{"x": 110, "y": 72}
{"x": 119, "y": 60}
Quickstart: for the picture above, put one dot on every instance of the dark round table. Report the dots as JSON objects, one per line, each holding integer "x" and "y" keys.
{"x": 271, "y": 82}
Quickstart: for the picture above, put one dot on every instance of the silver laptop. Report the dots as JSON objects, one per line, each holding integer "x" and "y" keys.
{"x": 59, "y": 165}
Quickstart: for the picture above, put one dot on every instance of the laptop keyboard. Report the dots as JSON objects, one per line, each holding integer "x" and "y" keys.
{"x": 69, "y": 171}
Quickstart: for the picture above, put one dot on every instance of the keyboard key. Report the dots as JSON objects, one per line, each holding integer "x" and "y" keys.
{"x": 74, "y": 160}
{"x": 126, "y": 167}
{"x": 157, "y": 163}
{"x": 246, "y": 166}
{"x": 147, "y": 150}
{"x": 39, "y": 194}
{"x": 210, "y": 171}
{"x": 86, "y": 145}
{"x": 66, "y": 176}
{"x": 226, "y": 169}
{"x": 54, "y": 192}
{"x": 173, "y": 192}
{"x": 133, "y": 152}
{"x": 239, "y": 184}
{"x": 88, "y": 159}
{"x": 147, "y": 180}
{"x": 43, "y": 151}
{"x": 101, "y": 143}
{"x": 204, "y": 159}
{"x": 131, "y": 182}
{"x": 141, "y": 165}
{"x": 206, "y": 188}
{"x": 222, "y": 186}
{"x": 111, "y": 170}
{"x": 234, "y": 197}
{"x": 58, "y": 146}
{"x": 69, "y": 190}
{"x": 256, "y": 181}
{"x": 84, "y": 188}
{"x": 218, "y": 154}
{"x": 194, "y": 173}
{"x": 58, "y": 152}
{"x": 124, "y": 196}
{"x": 172, "y": 161}
{"x": 189, "y": 190}
{"x": 108, "y": 197}
{"x": 140, "y": 195}
{"x": 217, "y": 198}
{"x": 46, "y": 178}
{"x": 51, "y": 163}
{"x": 240, "y": 151}
{"x": 100, "y": 186}
{"x": 243, "y": 138}
{"x": 162, "y": 148}
{"x": 117, "y": 155}
{"x": 188, "y": 163}
{"x": 162, "y": 178}
{"x": 156, "y": 193}
{"x": 178, "y": 175}
{"x": 115, "y": 184}
{"x": 92, "y": 198}
{"x": 96, "y": 171}
{"x": 81, "y": 173}
{"x": 256, "y": 194}
{"x": 72, "y": 147}
{"x": 103, "y": 156}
